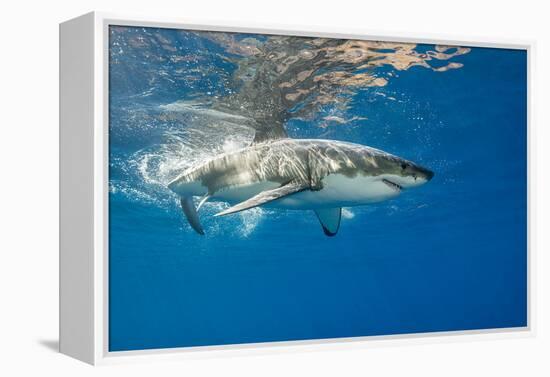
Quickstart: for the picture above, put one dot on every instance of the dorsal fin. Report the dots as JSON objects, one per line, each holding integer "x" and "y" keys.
{"x": 262, "y": 135}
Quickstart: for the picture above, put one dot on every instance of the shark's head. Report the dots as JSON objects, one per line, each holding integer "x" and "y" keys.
{"x": 403, "y": 173}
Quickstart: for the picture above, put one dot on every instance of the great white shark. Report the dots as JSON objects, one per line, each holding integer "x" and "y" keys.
{"x": 299, "y": 174}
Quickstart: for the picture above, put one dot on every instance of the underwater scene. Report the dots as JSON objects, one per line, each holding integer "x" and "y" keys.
{"x": 269, "y": 188}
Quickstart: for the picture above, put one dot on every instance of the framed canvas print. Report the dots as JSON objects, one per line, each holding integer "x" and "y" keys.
{"x": 226, "y": 187}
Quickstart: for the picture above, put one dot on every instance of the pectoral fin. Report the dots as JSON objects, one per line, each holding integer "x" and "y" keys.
{"x": 266, "y": 197}
{"x": 329, "y": 219}
{"x": 191, "y": 214}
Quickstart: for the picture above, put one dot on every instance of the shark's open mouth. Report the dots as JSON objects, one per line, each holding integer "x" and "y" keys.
{"x": 392, "y": 185}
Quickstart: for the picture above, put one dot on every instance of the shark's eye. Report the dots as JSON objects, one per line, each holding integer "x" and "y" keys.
{"x": 403, "y": 166}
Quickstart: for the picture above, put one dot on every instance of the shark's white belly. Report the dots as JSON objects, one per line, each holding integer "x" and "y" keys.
{"x": 338, "y": 191}
{"x": 237, "y": 194}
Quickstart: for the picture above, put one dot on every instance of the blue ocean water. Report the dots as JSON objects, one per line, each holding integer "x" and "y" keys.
{"x": 450, "y": 255}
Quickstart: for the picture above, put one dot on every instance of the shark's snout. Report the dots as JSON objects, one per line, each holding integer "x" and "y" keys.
{"x": 425, "y": 173}
{"x": 411, "y": 175}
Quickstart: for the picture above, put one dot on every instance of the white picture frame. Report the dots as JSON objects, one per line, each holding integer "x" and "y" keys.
{"x": 84, "y": 192}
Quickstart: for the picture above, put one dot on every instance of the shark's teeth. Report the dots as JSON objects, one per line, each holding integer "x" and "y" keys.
{"x": 392, "y": 185}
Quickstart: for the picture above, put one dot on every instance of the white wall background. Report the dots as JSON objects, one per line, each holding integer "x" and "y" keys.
{"x": 29, "y": 184}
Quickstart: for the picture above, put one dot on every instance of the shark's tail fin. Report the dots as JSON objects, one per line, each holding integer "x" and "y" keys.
{"x": 191, "y": 213}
